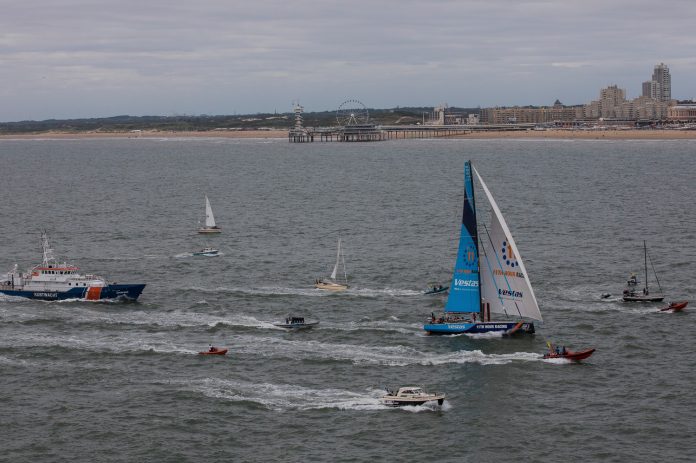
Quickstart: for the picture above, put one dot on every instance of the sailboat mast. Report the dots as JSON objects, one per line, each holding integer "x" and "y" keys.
{"x": 645, "y": 251}
{"x": 476, "y": 241}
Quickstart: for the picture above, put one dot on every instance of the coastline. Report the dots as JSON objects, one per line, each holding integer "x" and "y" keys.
{"x": 610, "y": 134}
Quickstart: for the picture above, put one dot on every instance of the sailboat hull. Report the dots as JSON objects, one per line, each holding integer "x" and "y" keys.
{"x": 209, "y": 230}
{"x": 328, "y": 286}
{"x": 479, "y": 327}
{"x": 641, "y": 298}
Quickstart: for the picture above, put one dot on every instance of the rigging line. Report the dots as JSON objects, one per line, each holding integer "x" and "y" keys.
{"x": 654, "y": 272}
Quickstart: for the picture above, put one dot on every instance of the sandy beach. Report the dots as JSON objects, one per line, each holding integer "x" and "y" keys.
{"x": 153, "y": 134}
{"x": 528, "y": 134}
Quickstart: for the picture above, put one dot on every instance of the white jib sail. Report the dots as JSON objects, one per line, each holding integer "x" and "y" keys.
{"x": 504, "y": 280}
{"x": 209, "y": 219}
{"x": 338, "y": 257}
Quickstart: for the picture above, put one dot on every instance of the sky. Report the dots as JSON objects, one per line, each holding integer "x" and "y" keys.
{"x": 64, "y": 59}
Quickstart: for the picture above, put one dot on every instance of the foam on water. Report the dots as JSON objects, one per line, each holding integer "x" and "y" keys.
{"x": 289, "y": 396}
{"x": 399, "y": 356}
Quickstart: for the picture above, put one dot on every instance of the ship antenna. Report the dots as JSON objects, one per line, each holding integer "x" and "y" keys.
{"x": 48, "y": 256}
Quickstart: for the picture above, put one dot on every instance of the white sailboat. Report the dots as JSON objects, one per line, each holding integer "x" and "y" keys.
{"x": 489, "y": 276}
{"x": 333, "y": 284}
{"x": 209, "y": 226}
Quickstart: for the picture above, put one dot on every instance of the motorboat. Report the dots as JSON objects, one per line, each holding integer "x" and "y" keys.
{"x": 296, "y": 323}
{"x": 411, "y": 395}
{"x": 208, "y": 252}
{"x": 563, "y": 353}
{"x": 436, "y": 289}
{"x": 214, "y": 351}
{"x": 675, "y": 306}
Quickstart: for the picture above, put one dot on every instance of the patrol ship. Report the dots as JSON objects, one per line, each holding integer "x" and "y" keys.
{"x": 53, "y": 281}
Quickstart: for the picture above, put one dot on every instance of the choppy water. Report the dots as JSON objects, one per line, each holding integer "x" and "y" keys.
{"x": 121, "y": 382}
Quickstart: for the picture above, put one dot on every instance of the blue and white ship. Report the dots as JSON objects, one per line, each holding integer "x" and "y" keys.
{"x": 52, "y": 281}
{"x": 489, "y": 277}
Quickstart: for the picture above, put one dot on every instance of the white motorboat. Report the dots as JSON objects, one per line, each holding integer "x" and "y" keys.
{"x": 411, "y": 395}
{"x": 208, "y": 252}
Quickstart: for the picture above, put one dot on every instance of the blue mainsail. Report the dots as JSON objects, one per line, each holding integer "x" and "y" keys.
{"x": 465, "y": 292}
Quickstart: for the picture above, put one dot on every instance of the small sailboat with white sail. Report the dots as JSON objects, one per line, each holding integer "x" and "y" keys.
{"x": 631, "y": 294}
{"x": 209, "y": 226}
{"x": 333, "y": 284}
{"x": 489, "y": 276}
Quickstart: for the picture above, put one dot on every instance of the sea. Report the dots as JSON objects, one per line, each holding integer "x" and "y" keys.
{"x": 123, "y": 382}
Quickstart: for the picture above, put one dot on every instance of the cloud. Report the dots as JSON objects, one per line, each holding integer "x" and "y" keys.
{"x": 215, "y": 56}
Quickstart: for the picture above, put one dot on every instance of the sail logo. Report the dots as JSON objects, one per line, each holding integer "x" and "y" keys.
{"x": 468, "y": 283}
{"x": 509, "y": 255}
{"x": 469, "y": 259}
{"x": 507, "y": 273}
{"x": 510, "y": 293}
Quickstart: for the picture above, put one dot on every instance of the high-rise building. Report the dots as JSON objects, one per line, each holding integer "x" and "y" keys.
{"x": 663, "y": 88}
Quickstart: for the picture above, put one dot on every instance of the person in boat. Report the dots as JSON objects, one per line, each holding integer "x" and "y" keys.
{"x": 211, "y": 348}
{"x": 632, "y": 280}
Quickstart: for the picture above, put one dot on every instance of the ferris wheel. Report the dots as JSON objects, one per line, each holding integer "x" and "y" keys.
{"x": 352, "y": 112}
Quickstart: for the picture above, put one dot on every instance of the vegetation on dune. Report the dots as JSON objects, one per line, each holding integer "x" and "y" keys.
{"x": 183, "y": 123}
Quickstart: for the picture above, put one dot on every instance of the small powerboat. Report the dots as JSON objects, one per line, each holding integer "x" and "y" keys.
{"x": 296, "y": 323}
{"x": 214, "y": 351}
{"x": 208, "y": 252}
{"x": 675, "y": 306}
{"x": 562, "y": 353}
{"x": 436, "y": 289}
{"x": 410, "y": 395}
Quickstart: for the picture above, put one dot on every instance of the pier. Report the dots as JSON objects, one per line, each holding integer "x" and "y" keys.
{"x": 368, "y": 132}
{"x": 354, "y": 125}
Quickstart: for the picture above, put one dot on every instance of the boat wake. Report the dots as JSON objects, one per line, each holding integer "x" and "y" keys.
{"x": 398, "y": 356}
{"x": 375, "y": 325}
{"x": 558, "y": 361}
{"x": 282, "y": 397}
{"x": 261, "y": 291}
{"x": 395, "y": 292}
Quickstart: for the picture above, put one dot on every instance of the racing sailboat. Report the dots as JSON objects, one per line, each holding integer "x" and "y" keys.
{"x": 489, "y": 276}
{"x": 209, "y": 226}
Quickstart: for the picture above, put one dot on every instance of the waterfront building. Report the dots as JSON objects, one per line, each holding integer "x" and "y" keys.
{"x": 684, "y": 112}
{"x": 609, "y": 99}
{"x": 663, "y": 88}
{"x": 530, "y": 114}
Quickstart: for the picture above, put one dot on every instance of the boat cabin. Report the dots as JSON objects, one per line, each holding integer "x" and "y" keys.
{"x": 410, "y": 391}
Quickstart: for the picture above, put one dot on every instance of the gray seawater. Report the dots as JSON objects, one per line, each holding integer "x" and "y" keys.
{"x": 122, "y": 382}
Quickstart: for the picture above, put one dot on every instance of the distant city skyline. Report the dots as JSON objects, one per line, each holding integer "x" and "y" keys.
{"x": 88, "y": 58}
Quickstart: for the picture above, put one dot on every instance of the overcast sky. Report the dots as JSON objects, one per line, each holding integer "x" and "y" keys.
{"x": 88, "y": 58}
